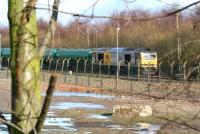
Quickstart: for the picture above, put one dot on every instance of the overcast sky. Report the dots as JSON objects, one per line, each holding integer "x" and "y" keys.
{"x": 103, "y": 7}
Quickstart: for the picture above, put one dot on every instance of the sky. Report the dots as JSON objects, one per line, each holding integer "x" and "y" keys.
{"x": 102, "y": 8}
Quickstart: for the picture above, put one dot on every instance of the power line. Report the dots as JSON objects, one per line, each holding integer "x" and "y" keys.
{"x": 122, "y": 18}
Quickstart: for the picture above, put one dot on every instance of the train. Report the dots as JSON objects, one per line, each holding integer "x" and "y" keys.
{"x": 138, "y": 58}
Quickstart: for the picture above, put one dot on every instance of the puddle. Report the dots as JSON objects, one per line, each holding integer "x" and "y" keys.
{"x": 59, "y": 124}
{"x": 55, "y": 124}
{"x": 51, "y": 114}
{"x": 98, "y": 116}
{"x": 87, "y": 133}
{"x": 7, "y": 116}
{"x": 70, "y": 105}
{"x": 3, "y": 129}
{"x": 139, "y": 128}
{"x": 67, "y": 125}
{"x": 75, "y": 94}
{"x": 152, "y": 129}
{"x": 52, "y": 123}
{"x": 115, "y": 127}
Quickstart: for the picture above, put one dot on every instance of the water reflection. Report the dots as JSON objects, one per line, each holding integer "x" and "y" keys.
{"x": 98, "y": 116}
{"x": 152, "y": 129}
{"x": 3, "y": 129}
{"x": 71, "y": 105}
{"x": 138, "y": 128}
{"x": 76, "y": 94}
{"x": 55, "y": 124}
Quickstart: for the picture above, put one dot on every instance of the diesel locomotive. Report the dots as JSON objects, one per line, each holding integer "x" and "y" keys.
{"x": 139, "y": 58}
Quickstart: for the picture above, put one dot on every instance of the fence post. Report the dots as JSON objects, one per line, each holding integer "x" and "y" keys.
{"x": 68, "y": 60}
{"x": 198, "y": 78}
{"x": 159, "y": 71}
{"x": 148, "y": 75}
{"x": 8, "y": 67}
{"x": 41, "y": 65}
{"x": 63, "y": 64}
{"x": 92, "y": 68}
{"x": 77, "y": 71}
{"x": 1, "y": 62}
{"x": 100, "y": 73}
{"x": 138, "y": 70}
{"x": 171, "y": 70}
{"x": 129, "y": 68}
{"x": 91, "y": 74}
{"x": 184, "y": 71}
{"x": 187, "y": 88}
{"x": 65, "y": 78}
{"x": 0, "y": 53}
{"x": 57, "y": 61}
{"x": 50, "y": 64}
{"x": 85, "y": 66}
{"x": 109, "y": 70}
{"x": 119, "y": 67}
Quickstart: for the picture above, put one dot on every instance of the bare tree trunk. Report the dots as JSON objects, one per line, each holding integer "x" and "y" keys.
{"x": 25, "y": 63}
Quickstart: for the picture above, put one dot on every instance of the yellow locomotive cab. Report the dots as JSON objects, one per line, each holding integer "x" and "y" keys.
{"x": 149, "y": 60}
{"x": 107, "y": 58}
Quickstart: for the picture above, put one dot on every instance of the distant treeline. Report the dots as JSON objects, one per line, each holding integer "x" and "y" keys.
{"x": 160, "y": 35}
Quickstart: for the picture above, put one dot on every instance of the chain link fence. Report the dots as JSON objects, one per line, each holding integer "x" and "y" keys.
{"x": 169, "y": 84}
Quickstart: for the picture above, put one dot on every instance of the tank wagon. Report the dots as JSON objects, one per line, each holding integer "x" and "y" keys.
{"x": 138, "y": 58}
{"x": 69, "y": 53}
{"x": 5, "y": 52}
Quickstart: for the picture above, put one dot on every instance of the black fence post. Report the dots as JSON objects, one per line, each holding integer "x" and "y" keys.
{"x": 41, "y": 65}
{"x": 171, "y": 70}
{"x": 184, "y": 71}
{"x": 129, "y": 68}
{"x": 85, "y": 67}
{"x": 159, "y": 71}
{"x": 1, "y": 62}
{"x": 63, "y": 64}
{"x": 198, "y": 76}
{"x": 77, "y": 71}
{"x": 109, "y": 70}
{"x": 49, "y": 67}
{"x": 119, "y": 68}
{"x": 65, "y": 78}
{"x": 148, "y": 75}
{"x": 8, "y": 67}
{"x": 92, "y": 68}
{"x": 57, "y": 61}
{"x": 100, "y": 75}
{"x": 138, "y": 77}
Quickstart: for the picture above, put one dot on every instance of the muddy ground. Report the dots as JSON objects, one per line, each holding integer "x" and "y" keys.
{"x": 88, "y": 113}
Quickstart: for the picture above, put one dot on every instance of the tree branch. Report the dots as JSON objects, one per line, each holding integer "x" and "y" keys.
{"x": 46, "y": 104}
{"x": 51, "y": 28}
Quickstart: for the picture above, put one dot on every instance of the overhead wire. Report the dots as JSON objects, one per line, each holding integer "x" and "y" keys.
{"x": 123, "y": 18}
